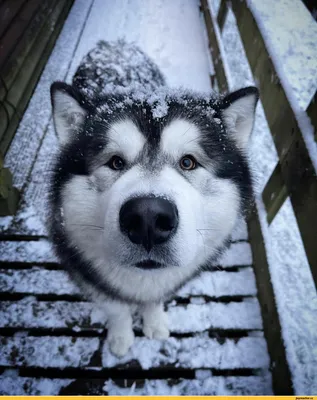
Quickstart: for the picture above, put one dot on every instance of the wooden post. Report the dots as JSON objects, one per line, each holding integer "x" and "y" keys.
{"x": 297, "y": 170}
{"x": 312, "y": 113}
{"x": 214, "y": 48}
{"x": 282, "y": 383}
{"x": 222, "y": 14}
{"x": 9, "y": 195}
{"x": 275, "y": 193}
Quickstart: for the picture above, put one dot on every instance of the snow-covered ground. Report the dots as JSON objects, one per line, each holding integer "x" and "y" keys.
{"x": 215, "y": 320}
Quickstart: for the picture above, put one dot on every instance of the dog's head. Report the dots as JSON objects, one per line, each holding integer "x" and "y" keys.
{"x": 151, "y": 184}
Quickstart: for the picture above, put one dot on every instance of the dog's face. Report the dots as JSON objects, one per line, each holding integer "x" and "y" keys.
{"x": 141, "y": 192}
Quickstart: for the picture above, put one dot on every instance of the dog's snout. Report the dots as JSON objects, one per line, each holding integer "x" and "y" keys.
{"x": 148, "y": 220}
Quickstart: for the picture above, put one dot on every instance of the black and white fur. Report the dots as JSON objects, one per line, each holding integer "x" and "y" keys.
{"x": 118, "y": 105}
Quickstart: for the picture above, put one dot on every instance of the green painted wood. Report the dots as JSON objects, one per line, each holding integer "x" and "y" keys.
{"x": 274, "y": 193}
{"x": 214, "y": 48}
{"x": 282, "y": 383}
{"x": 297, "y": 170}
{"x": 312, "y": 113}
{"x": 222, "y": 14}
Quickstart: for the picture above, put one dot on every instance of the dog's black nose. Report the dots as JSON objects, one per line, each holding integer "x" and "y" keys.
{"x": 148, "y": 220}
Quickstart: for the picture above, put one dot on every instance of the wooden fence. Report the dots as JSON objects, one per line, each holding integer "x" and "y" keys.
{"x": 28, "y": 31}
{"x": 294, "y": 175}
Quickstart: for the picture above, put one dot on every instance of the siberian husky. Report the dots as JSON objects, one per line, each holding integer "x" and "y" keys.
{"x": 147, "y": 186}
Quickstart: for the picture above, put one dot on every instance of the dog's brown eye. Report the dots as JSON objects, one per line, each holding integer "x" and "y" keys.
{"x": 116, "y": 163}
{"x": 188, "y": 162}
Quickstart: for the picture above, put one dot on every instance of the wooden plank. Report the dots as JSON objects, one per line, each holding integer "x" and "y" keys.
{"x": 215, "y": 385}
{"x": 222, "y": 14}
{"x": 282, "y": 383}
{"x": 79, "y": 315}
{"x": 32, "y": 68}
{"x": 22, "y": 386}
{"x": 17, "y": 28}
{"x": 312, "y": 113}
{"x": 209, "y": 353}
{"x": 40, "y": 251}
{"x": 214, "y": 47}
{"x": 41, "y": 281}
{"x": 9, "y": 195}
{"x": 297, "y": 169}
{"x": 67, "y": 352}
{"x": 8, "y": 11}
{"x": 275, "y": 193}
{"x": 13, "y": 63}
{"x": 54, "y": 352}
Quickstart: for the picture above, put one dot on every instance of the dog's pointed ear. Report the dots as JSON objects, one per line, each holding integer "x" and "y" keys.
{"x": 238, "y": 113}
{"x": 69, "y": 110}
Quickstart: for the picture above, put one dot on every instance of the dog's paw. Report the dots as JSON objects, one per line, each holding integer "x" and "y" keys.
{"x": 119, "y": 343}
{"x": 156, "y": 331}
{"x": 155, "y": 324}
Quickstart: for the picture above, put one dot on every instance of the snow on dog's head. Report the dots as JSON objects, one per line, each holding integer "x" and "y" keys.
{"x": 147, "y": 189}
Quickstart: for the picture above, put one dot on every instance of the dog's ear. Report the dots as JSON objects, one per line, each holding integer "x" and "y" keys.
{"x": 69, "y": 110}
{"x": 238, "y": 113}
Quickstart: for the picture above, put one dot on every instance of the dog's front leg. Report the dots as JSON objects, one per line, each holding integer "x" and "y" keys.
{"x": 120, "y": 333}
{"x": 155, "y": 322}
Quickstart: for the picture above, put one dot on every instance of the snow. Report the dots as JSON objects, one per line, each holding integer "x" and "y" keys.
{"x": 32, "y": 387}
{"x": 247, "y": 352}
{"x": 37, "y": 280}
{"x": 294, "y": 55}
{"x": 289, "y": 31}
{"x": 197, "y": 318}
{"x": 222, "y": 283}
{"x": 55, "y": 352}
{"x": 32, "y": 252}
{"x": 233, "y": 385}
{"x": 238, "y": 254}
{"x": 30, "y": 313}
{"x": 182, "y": 58}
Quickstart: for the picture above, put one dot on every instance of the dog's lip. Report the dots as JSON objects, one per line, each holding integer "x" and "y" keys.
{"x": 149, "y": 264}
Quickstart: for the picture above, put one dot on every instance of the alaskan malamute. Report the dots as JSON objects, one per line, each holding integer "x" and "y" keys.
{"x": 147, "y": 186}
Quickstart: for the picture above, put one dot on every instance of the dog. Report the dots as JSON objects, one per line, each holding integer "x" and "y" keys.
{"x": 147, "y": 184}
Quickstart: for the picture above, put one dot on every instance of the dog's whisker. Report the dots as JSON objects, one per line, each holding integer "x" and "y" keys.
{"x": 89, "y": 226}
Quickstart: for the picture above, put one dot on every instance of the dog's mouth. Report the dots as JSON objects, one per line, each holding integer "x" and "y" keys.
{"x": 149, "y": 264}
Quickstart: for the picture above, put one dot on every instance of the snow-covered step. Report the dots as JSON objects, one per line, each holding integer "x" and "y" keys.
{"x": 37, "y": 281}
{"x": 247, "y": 352}
{"x": 209, "y": 386}
{"x": 62, "y": 352}
{"x": 29, "y": 313}
{"x": 40, "y": 251}
{"x": 54, "y": 352}
{"x": 14, "y": 385}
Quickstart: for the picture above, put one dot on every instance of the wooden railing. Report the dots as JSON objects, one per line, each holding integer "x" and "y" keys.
{"x": 294, "y": 175}
{"x": 28, "y": 31}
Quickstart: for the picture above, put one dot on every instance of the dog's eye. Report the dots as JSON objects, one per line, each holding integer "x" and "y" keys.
{"x": 188, "y": 162}
{"x": 116, "y": 163}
